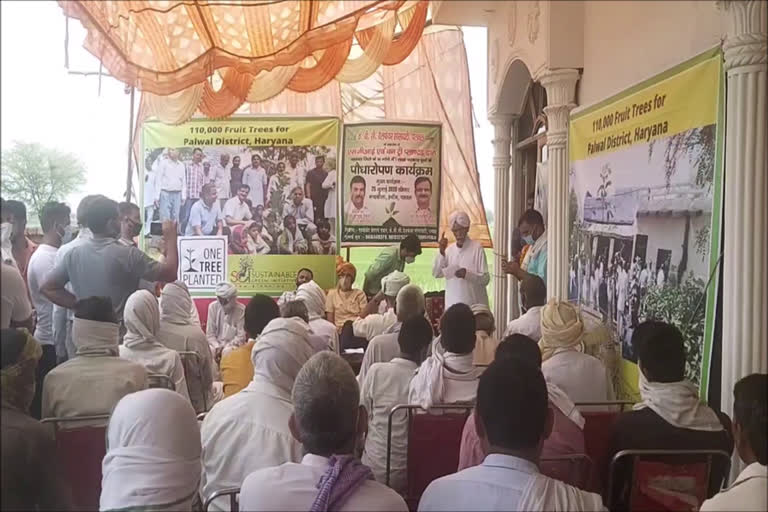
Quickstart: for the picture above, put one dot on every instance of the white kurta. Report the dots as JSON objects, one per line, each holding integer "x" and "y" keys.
{"x": 749, "y": 492}
{"x": 385, "y": 386}
{"x": 528, "y": 324}
{"x": 326, "y": 330}
{"x": 225, "y": 327}
{"x": 243, "y": 433}
{"x": 374, "y": 324}
{"x": 158, "y": 360}
{"x": 581, "y": 376}
{"x": 472, "y": 288}
{"x": 382, "y": 349}
{"x": 294, "y": 487}
{"x": 190, "y": 338}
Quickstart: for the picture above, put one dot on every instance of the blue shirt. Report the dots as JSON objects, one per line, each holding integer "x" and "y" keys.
{"x": 204, "y": 216}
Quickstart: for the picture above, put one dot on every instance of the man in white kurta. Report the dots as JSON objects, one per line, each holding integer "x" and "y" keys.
{"x": 463, "y": 265}
{"x": 226, "y": 317}
{"x": 249, "y": 430}
{"x": 314, "y": 298}
{"x": 533, "y": 296}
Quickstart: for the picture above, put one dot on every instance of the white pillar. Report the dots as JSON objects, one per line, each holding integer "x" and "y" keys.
{"x": 502, "y": 124}
{"x": 745, "y": 259}
{"x": 514, "y": 208}
{"x": 560, "y": 85}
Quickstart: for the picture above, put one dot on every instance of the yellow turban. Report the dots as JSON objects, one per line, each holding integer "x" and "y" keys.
{"x": 17, "y": 381}
{"x": 561, "y": 327}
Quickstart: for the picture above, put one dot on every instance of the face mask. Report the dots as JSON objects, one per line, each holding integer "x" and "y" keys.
{"x": 410, "y": 259}
{"x": 136, "y": 229}
{"x": 528, "y": 239}
{"x": 346, "y": 282}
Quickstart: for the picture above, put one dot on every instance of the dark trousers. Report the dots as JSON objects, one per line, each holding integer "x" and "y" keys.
{"x": 186, "y": 208}
{"x": 46, "y": 364}
{"x": 347, "y": 339}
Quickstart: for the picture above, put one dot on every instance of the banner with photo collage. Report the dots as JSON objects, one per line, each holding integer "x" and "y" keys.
{"x": 254, "y": 198}
{"x": 645, "y": 211}
{"x": 391, "y": 182}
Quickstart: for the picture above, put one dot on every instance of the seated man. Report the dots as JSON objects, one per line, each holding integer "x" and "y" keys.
{"x": 301, "y": 209}
{"x": 329, "y": 422}
{"x": 582, "y": 376}
{"x": 178, "y": 332}
{"x": 236, "y": 209}
{"x": 323, "y": 242}
{"x": 670, "y": 415}
{"x": 750, "y": 422}
{"x": 385, "y": 347}
{"x": 249, "y": 431}
{"x": 513, "y": 420}
{"x": 96, "y": 379}
{"x": 533, "y": 296}
{"x": 567, "y": 437}
{"x": 314, "y": 298}
{"x": 385, "y": 386}
{"x": 236, "y": 366}
{"x": 485, "y": 341}
{"x": 304, "y": 275}
{"x": 371, "y": 324}
{"x": 448, "y": 376}
{"x": 291, "y": 240}
{"x": 297, "y": 309}
{"x": 205, "y": 217}
{"x": 225, "y": 320}
{"x": 344, "y": 304}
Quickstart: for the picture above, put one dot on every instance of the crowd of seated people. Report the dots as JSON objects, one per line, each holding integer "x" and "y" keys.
{"x": 264, "y": 401}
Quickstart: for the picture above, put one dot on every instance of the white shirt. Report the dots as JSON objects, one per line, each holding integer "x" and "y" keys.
{"x": 303, "y": 213}
{"x": 243, "y": 433}
{"x": 171, "y": 176}
{"x": 257, "y": 180}
{"x": 385, "y": 386}
{"x": 41, "y": 262}
{"x": 150, "y": 188}
{"x": 748, "y": 492}
{"x": 581, "y": 376}
{"x": 237, "y": 210}
{"x": 382, "y": 349}
{"x": 326, "y": 330}
{"x": 15, "y": 302}
{"x": 329, "y": 184}
{"x": 220, "y": 176}
{"x": 294, "y": 487}
{"x": 225, "y": 326}
{"x": 297, "y": 174}
{"x": 374, "y": 324}
{"x": 470, "y": 289}
{"x": 355, "y": 215}
{"x": 499, "y": 483}
{"x": 528, "y": 324}
{"x": 62, "y": 330}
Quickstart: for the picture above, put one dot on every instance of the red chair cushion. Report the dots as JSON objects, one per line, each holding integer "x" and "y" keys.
{"x": 80, "y": 452}
{"x": 674, "y": 487}
{"x": 434, "y": 441}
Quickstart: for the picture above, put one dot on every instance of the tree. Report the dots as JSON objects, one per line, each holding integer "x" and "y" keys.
{"x": 35, "y": 174}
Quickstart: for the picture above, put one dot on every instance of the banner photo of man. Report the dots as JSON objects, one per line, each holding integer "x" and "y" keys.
{"x": 390, "y": 182}
{"x": 266, "y": 184}
{"x": 645, "y": 199}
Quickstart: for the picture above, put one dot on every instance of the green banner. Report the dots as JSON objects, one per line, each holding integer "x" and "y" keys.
{"x": 255, "y": 199}
{"x": 391, "y": 182}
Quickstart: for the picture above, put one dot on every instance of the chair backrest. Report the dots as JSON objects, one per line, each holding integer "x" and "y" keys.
{"x": 234, "y": 498}
{"x": 79, "y": 453}
{"x": 575, "y": 469}
{"x": 193, "y": 373}
{"x": 434, "y": 441}
{"x": 668, "y": 479}
{"x": 599, "y": 422}
{"x": 158, "y": 380}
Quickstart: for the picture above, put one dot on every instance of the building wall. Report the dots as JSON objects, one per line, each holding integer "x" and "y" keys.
{"x": 626, "y": 42}
{"x": 667, "y": 233}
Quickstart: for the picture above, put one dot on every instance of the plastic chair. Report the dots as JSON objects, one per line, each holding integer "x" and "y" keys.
{"x": 79, "y": 453}
{"x": 663, "y": 480}
{"x": 193, "y": 372}
{"x": 574, "y": 469}
{"x": 234, "y": 498}
{"x": 434, "y": 441}
{"x": 158, "y": 380}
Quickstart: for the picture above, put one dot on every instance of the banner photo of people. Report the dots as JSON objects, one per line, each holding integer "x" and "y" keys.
{"x": 390, "y": 182}
{"x": 254, "y": 198}
{"x": 645, "y": 211}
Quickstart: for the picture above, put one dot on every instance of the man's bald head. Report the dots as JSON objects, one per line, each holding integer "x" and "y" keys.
{"x": 533, "y": 292}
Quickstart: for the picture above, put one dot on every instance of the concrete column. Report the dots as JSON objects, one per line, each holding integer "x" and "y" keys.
{"x": 560, "y": 85}
{"x": 515, "y": 200}
{"x": 502, "y": 124}
{"x": 745, "y": 260}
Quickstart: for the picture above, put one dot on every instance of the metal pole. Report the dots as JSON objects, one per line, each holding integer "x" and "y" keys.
{"x": 129, "y": 177}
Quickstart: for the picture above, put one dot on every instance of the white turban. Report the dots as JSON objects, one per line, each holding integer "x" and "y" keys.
{"x": 561, "y": 327}
{"x": 281, "y": 351}
{"x": 226, "y": 290}
{"x": 459, "y": 218}
{"x": 313, "y": 297}
{"x": 393, "y": 282}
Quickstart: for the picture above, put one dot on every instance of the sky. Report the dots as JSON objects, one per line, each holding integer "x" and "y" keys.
{"x": 41, "y": 102}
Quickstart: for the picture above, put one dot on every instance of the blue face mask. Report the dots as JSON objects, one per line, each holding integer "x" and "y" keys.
{"x": 528, "y": 239}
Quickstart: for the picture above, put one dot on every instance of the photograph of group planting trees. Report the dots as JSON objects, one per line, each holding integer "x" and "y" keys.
{"x": 640, "y": 237}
